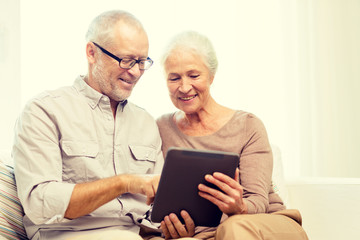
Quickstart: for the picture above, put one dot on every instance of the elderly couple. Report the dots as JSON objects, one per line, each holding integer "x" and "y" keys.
{"x": 85, "y": 157}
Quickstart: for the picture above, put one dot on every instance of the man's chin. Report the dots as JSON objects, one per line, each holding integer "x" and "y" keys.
{"x": 120, "y": 97}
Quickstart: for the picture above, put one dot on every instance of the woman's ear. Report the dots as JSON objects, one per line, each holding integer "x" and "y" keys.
{"x": 211, "y": 79}
{"x": 90, "y": 52}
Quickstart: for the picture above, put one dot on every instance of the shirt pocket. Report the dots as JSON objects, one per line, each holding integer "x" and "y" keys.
{"x": 143, "y": 159}
{"x": 79, "y": 161}
{"x": 80, "y": 148}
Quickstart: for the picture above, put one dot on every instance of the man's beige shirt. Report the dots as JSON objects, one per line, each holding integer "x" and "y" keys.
{"x": 70, "y": 136}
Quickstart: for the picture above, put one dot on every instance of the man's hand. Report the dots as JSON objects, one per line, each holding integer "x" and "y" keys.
{"x": 143, "y": 185}
{"x": 87, "y": 197}
{"x": 173, "y": 228}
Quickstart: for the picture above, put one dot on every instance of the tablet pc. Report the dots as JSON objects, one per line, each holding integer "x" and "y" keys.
{"x": 183, "y": 171}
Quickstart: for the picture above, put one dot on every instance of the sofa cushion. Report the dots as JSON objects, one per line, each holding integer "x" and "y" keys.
{"x": 11, "y": 212}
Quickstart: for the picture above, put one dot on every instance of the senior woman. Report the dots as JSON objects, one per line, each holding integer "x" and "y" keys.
{"x": 251, "y": 208}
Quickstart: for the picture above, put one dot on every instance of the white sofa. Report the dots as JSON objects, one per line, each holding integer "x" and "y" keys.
{"x": 330, "y": 207}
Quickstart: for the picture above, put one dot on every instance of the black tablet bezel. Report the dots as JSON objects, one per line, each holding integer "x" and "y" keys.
{"x": 183, "y": 171}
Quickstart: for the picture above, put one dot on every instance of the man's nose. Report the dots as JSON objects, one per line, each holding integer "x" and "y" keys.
{"x": 135, "y": 70}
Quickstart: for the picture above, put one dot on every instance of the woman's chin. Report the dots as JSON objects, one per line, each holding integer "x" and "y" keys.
{"x": 188, "y": 110}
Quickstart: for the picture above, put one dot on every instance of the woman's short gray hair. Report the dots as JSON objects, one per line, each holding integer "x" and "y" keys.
{"x": 101, "y": 28}
{"x": 196, "y": 42}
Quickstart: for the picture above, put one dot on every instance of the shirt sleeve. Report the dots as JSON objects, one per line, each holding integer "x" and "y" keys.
{"x": 38, "y": 165}
{"x": 256, "y": 166}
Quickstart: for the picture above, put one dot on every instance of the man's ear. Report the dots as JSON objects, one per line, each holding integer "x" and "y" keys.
{"x": 90, "y": 52}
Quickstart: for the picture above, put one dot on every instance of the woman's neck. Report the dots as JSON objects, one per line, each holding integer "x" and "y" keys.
{"x": 204, "y": 122}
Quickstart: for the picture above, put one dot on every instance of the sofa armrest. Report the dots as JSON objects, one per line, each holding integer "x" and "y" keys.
{"x": 329, "y": 206}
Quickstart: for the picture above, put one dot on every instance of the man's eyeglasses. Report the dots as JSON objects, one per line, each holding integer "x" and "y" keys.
{"x": 127, "y": 63}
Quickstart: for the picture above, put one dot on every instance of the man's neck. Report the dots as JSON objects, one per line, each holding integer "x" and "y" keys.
{"x": 114, "y": 105}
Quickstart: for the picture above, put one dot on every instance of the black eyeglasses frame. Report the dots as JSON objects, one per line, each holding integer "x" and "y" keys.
{"x": 134, "y": 61}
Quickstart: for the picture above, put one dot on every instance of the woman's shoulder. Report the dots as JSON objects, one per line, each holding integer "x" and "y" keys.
{"x": 241, "y": 115}
{"x": 164, "y": 118}
{"x": 165, "y": 121}
{"x": 247, "y": 121}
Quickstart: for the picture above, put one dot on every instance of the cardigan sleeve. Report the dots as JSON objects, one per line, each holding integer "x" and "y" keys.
{"x": 256, "y": 165}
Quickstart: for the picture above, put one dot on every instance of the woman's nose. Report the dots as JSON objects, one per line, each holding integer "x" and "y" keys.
{"x": 185, "y": 85}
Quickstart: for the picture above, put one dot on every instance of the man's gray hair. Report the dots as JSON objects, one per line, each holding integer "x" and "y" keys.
{"x": 196, "y": 42}
{"x": 101, "y": 28}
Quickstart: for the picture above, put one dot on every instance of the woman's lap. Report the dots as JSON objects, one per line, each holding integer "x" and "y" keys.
{"x": 284, "y": 224}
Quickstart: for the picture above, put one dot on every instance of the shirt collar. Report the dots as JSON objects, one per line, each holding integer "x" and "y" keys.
{"x": 93, "y": 97}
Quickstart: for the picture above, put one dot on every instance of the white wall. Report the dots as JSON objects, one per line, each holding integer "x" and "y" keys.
{"x": 329, "y": 86}
{"x": 288, "y": 61}
{"x": 248, "y": 36}
{"x": 9, "y": 69}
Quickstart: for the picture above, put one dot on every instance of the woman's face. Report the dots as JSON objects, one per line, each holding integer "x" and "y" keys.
{"x": 188, "y": 80}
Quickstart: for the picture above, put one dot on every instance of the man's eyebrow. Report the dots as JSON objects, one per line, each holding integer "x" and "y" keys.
{"x": 130, "y": 56}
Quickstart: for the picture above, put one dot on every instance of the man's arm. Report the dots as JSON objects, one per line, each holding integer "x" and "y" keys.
{"x": 86, "y": 197}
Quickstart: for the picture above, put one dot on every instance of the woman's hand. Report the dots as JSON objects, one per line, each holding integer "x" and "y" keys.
{"x": 173, "y": 228}
{"x": 230, "y": 201}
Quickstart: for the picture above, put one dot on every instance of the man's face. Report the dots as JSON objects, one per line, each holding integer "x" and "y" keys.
{"x": 108, "y": 77}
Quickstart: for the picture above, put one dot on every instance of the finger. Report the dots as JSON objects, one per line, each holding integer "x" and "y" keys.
{"x": 172, "y": 231}
{"x": 218, "y": 198}
{"x": 180, "y": 229}
{"x": 189, "y": 223}
{"x": 155, "y": 183}
{"x": 226, "y": 179}
{"x": 149, "y": 195}
{"x": 218, "y": 202}
{"x": 237, "y": 175}
{"x": 230, "y": 187}
{"x": 150, "y": 200}
{"x": 228, "y": 190}
{"x": 152, "y": 192}
{"x": 148, "y": 188}
{"x": 221, "y": 204}
{"x": 211, "y": 191}
{"x": 165, "y": 230}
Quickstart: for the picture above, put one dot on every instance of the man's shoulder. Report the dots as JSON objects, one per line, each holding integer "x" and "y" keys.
{"x": 51, "y": 98}
{"x": 65, "y": 91}
{"x": 55, "y": 95}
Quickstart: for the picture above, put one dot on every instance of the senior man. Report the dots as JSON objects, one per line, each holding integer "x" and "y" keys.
{"x": 85, "y": 157}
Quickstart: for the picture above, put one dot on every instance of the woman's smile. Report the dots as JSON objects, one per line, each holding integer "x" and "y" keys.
{"x": 188, "y": 98}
